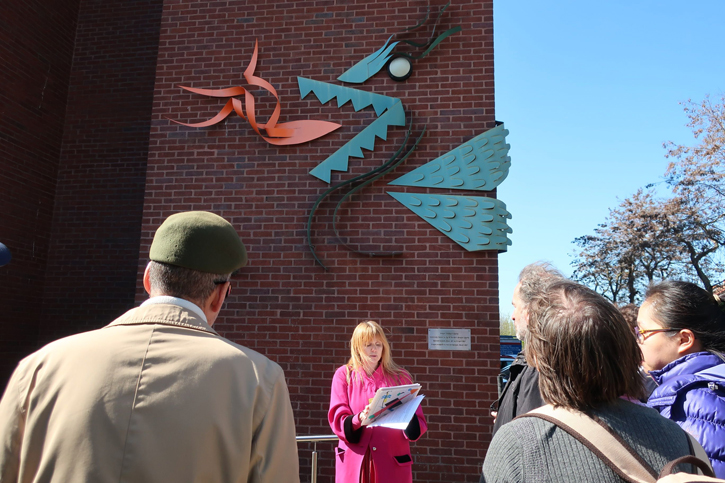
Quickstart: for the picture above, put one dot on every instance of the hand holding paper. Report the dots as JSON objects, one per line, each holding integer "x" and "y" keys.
{"x": 400, "y": 418}
{"x": 394, "y": 404}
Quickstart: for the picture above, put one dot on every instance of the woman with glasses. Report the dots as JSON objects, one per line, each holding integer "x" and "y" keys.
{"x": 681, "y": 332}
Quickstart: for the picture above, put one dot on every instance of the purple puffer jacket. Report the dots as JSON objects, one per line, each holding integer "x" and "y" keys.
{"x": 691, "y": 392}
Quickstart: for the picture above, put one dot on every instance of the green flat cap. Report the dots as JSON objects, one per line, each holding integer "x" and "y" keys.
{"x": 199, "y": 240}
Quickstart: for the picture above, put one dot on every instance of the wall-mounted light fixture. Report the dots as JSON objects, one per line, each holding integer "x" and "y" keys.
{"x": 399, "y": 68}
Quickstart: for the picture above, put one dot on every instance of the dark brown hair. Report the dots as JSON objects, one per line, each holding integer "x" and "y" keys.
{"x": 684, "y": 305}
{"x": 582, "y": 347}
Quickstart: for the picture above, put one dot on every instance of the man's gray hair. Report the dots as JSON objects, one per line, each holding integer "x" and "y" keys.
{"x": 535, "y": 278}
{"x": 184, "y": 283}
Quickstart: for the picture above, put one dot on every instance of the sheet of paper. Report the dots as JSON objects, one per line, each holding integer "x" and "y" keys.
{"x": 400, "y": 417}
{"x": 388, "y": 398}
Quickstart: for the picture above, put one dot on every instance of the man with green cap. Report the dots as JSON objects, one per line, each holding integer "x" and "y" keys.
{"x": 157, "y": 395}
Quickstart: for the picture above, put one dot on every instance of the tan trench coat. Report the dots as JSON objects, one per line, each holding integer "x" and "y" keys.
{"x": 156, "y": 396}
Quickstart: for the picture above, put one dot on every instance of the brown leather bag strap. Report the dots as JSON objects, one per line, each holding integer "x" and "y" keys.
{"x": 699, "y": 452}
{"x": 693, "y": 460}
{"x": 611, "y": 449}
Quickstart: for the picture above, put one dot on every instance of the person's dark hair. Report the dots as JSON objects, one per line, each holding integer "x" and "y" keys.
{"x": 629, "y": 312}
{"x": 182, "y": 282}
{"x": 582, "y": 347}
{"x": 534, "y": 278}
{"x": 684, "y": 305}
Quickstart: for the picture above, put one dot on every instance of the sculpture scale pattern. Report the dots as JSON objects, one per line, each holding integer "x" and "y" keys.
{"x": 479, "y": 164}
{"x": 474, "y": 222}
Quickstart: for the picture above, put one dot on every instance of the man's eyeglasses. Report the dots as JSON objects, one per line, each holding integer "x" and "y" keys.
{"x": 220, "y": 282}
{"x": 641, "y": 333}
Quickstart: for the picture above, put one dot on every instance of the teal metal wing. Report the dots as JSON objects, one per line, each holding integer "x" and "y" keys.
{"x": 479, "y": 164}
{"x": 389, "y": 110}
{"x": 474, "y": 222}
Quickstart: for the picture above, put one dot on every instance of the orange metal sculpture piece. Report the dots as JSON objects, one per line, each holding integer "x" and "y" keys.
{"x": 293, "y": 132}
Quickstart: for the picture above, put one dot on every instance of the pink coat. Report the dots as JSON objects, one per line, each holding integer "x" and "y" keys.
{"x": 389, "y": 447}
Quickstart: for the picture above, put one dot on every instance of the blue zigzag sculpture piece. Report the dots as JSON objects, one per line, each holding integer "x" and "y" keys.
{"x": 389, "y": 110}
{"x": 479, "y": 164}
{"x": 474, "y": 222}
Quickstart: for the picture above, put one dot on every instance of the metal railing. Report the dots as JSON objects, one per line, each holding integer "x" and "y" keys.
{"x": 315, "y": 440}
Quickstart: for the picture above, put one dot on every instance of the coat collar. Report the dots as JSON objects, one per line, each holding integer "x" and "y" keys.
{"x": 683, "y": 374}
{"x": 690, "y": 364}
{"x": 164, "y": 314}
{"x": 168, "y": 299}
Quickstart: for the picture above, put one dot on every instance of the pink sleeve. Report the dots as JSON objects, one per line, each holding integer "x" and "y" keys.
{"x": 356, "y": 422}
{"x": 339, "y": 404}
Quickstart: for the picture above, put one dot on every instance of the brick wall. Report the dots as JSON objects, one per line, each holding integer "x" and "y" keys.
{"x": 283, "y": 304}
{"x": 91, "y": 275}
{"x": 36, "y": 50}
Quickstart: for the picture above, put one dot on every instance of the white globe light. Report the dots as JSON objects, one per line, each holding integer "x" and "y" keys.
{"x": 399, "y": 67}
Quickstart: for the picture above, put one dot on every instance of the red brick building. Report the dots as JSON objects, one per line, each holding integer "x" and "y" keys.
{"x": 91, "y": 165}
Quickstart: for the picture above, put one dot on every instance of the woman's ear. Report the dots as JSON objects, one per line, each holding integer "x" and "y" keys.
{"x": 688, "y": 343}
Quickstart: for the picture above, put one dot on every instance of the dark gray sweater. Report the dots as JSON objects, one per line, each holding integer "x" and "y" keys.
{"x": 533, "y": 450}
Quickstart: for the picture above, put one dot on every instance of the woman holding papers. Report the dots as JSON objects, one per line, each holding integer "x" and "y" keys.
{"x": 370, "y": 454}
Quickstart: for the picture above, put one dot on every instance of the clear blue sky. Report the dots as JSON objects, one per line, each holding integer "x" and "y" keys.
{"x": 589, "y": 92}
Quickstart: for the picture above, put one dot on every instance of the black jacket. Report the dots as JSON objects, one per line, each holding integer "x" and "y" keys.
{"x": 520, "y": 395}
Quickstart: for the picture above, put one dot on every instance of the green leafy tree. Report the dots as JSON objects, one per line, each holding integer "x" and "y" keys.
{"x": 506, "y": 325}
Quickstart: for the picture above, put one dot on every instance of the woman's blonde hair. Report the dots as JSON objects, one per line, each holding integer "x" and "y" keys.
{"x": 364, "y": 333}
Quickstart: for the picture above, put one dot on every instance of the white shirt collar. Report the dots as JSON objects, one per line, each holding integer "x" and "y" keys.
{"x": 168, "y": 299}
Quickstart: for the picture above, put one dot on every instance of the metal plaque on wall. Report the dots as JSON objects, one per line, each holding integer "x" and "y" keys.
{"x": 449, "y": 339}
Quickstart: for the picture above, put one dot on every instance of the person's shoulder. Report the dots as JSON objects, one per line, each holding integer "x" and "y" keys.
{"x": 518, "y": 435}
{"x": 342, "y": 372}
{"x": 521, "y": 424}
{"x": 232, "y": 350}
{"x": 704, "y": 402}
{"x": 632, "y": 410}
{"x": 684, "y": 382}
{"x": 527, "y": 377}
{"x": 504, "y": 460}
{"x": 627, "y": 416}
{"x": 68, "y": 343}
{"x": 54, "y": 354}
{"x": 529, "y": 372}
{"x": 404, "y": 377}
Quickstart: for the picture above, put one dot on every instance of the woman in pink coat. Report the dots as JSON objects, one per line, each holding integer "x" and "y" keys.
{"x": 365, "y": 454}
